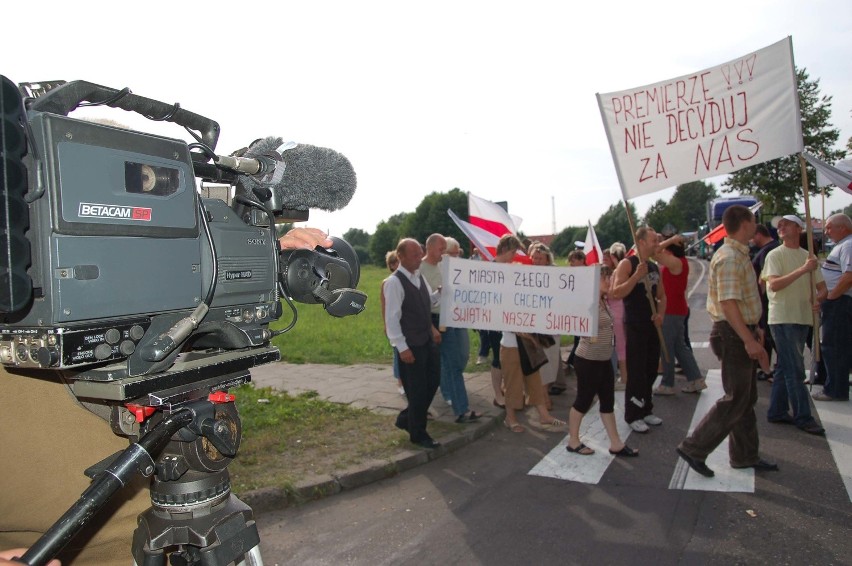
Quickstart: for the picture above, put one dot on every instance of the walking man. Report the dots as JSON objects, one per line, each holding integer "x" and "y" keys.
{"x": 408, "y": 323}
{"x": 733, "y": 304}
{"x": 791, "y": 316}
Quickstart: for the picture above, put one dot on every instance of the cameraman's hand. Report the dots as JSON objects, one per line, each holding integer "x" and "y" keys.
{"x": 6, "y": 557}
{"x": 305, "y": 238}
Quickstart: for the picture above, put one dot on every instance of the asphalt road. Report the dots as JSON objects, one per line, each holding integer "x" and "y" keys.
{"x": 480, "y": 506}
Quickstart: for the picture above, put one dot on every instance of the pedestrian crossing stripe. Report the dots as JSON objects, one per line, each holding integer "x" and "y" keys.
{"x": 563, "y": 465}
{"x": 727, "y": 478}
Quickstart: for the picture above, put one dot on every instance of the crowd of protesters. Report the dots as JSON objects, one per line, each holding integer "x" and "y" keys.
{"x": 643, "y": 332}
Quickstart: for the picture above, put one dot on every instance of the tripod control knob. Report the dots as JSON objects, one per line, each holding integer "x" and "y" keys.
{"x": 219, "y": 434}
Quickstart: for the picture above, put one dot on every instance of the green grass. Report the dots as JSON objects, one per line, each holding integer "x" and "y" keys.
{"x": 289, "y": 438}
{"x": 321, "y": 338}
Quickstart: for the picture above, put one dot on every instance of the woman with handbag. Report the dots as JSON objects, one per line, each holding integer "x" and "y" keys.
{"x": 516, "y": 377}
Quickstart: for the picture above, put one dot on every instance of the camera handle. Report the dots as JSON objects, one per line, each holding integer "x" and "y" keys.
{"x": 66, "y": 98}
{"x": 136, "y": 457}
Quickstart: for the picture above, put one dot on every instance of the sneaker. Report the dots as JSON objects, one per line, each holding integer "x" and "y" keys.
{"x": 639, "y": 426}
{"x": 620, "y": 385}
{"x": 449, "y": 402}
{"x": 653, "y": 420}
{"x": 694, "y": 386}
{"x": 664, "y": 390}
{"x": 481, "y": 361}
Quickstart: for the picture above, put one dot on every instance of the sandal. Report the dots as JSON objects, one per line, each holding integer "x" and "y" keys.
{"x": 626, "y": 451}
{"x": 514, "y": 427}
{"x": 498, "y": 405}
{"x": 582, "y": 450}
{"x": 554, "y": 424}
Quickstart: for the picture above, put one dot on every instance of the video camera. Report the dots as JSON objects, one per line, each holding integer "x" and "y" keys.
{"x": 113, "y": 264}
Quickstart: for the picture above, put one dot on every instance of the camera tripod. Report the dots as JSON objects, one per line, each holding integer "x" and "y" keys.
{"x": 187, "y": 445}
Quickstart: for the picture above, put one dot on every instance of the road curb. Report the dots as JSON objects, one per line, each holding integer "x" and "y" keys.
{"x": 267, "y": 499}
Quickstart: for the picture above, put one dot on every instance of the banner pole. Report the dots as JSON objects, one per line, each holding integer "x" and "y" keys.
{"x": 647, "y": 283}
{"x": 815, "y": 348}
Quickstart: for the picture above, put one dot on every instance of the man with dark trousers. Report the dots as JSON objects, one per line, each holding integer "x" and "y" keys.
{"x": 733, "y": 303}
{"x": 408, "y": 323}
{"x": 642, "y": 327}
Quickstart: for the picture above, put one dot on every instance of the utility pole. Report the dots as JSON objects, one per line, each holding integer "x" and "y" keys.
{"x": 553, "y": 213}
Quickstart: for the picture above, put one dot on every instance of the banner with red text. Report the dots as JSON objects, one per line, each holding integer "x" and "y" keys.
{"x": 704, "y": 124}
{"x": 520, "y": 298}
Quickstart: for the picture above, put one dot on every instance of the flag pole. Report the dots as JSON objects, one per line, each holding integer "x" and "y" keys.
{"x": 647, "y": 283}
{"x": 815, "y": 348}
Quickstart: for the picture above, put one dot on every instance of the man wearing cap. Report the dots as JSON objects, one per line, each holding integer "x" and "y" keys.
{"x": 837, "y": 311}
{"x": 791, "y": 314}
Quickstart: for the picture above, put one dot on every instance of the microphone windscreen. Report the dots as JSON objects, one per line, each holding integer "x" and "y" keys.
{"x": 313, "y": 177}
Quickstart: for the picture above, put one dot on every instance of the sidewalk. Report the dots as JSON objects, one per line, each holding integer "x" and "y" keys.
{"x": 370, "y": 386}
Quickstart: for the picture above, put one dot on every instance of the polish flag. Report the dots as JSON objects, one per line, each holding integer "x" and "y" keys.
{"x": 485, "y": 241}
{"x": 592, "y": 247}
{"x": 491, "y": 216}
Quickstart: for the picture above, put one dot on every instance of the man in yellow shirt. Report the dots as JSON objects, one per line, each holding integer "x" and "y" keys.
{"x": 791, "y": 317}
{"x": 733, "y": 304}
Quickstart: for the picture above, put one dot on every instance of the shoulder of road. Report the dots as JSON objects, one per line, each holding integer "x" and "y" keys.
{"x": 370, "y": 386}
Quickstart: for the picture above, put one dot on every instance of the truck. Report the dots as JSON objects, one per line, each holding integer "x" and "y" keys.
{"x": 716, "y": 208}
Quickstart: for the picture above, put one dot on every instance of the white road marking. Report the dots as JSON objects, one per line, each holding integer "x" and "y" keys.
{"x": 726, "y": 478}
{"x": 563, "y": 465}
{"x": 700, "y": 345}
{"x": 835, "y": 417}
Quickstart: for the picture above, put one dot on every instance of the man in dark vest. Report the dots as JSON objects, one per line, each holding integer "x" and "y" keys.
{"x": 408, "y": 323}
{"x": 642, "y": 325}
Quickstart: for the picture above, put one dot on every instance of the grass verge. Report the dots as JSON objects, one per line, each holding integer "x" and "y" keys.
{"x": 287, "y": 439}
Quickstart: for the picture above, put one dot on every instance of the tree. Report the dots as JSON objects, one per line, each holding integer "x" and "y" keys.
{"x": 357, "y": 237}
{"x": 613, "y": 226}
{"x": 431, "y": 216}
{"x": 778, "y": 183}
{"x": 662, "y": 214}
{"x": 848, "y": 211}
{"x": 690, "y": 200}
{"x": 563, "y": 243}
{"x": 386, "y": 237}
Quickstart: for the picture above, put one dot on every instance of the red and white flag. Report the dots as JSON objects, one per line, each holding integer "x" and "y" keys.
{"x": 491, "y": 216}
{"x": 592, "y": 247}
{"x": 839, "y": 175}
{"x": 485, "y": 241}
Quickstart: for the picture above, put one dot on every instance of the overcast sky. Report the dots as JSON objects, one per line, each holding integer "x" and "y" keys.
{"x": 495, "y": 98}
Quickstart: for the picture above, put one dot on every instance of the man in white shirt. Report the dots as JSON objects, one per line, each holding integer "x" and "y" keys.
{"x": 409, "y": 328}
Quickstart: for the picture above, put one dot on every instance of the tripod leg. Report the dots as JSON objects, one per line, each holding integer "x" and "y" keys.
{"x": 252, "y": 558}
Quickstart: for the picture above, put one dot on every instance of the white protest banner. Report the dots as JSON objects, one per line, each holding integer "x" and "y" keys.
{"x": 705, "y": 124}
{"x": 520, "y": 298}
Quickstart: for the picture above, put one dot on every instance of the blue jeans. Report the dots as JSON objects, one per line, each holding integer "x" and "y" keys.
{"x": 837, "y": 346}
{"x": 673, "y": 334}
{"x": 788, "y": 387}
{"x": 452, "y": 372}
